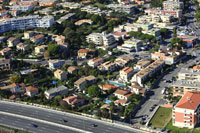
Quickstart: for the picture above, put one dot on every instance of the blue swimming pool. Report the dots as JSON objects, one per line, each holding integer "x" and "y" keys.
{"x": 117, "y": 84}
{"x": 107, "y": 101}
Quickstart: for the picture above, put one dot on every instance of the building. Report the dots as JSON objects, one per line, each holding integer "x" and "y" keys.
{"x": 186, "y": 112}
{"x": 80, "y": 83}
{"x": 122, "y": 94}
{"x": 121, "y": 102}
{"x": 95, "y": 10}
{"x": 51, "y": 93}
{"x": 5, "y": 51}
{"x": 66, "y": 17}
{"x": 40, "y": 49}
{"x": 173, "y": 4}
{"x": 95, "y": 62}
{"x": 31, "y": 91}
{"x": 120, "y": 35}
{"x": 28, "y": 34}
{"x": 59, "y": 39}
{"x": 72, "y": 69}
{"x": 189, "y": 74}
{"x": 23, "y": 47}
{"x": 25, "y": 22}
{"x": 71, "y": 5}
{"x": 12, "y": 41}
{"x": 56, "y": 64}
{"x": 106, "y": 87}
{"x": 189, "y": 41}
{"x": 83, "y": 53}
{"x": 107, "y": 66}
{"x": 126, "y": 74}
{"x": 4, "y": 64}
{"x": 75, "y": 100}
{"x": 141, "y": 64}
{"x": 134, "y": 42}
{"x": 61, "y": 75}
{"x": 47, "y": 2}
{"x": 84, "y": 21}
{"x": 18, "y": 88}
{"x": 122, "y": 61}
{"x": 39, "y": 38}
{"x": 137, "y": 89}
{"x": 150, "y": 70}
{"x": 169, "y": 56}
{"x": 23, "y": 8}
{"x": 129, "y": 9}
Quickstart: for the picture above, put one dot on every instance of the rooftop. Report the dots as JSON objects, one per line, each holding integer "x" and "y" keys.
{"x": 190, "y": 70}
{"x": 57, "y": 89}
{"x": 127, "y": 70}
{"x": 121, "y": 92}
{"x": 185, "y": 83}
{"x": 31, "y": 89}
{"x": 4, "y": 61}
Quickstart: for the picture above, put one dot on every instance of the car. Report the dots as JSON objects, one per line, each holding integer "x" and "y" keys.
{"x": 63, "y": 120}
{"x": 94, "y": 125}
{"x": 162, "y": 130}
{"x": 34, "y": 125}
{"x": 155, "y": 105}
{"x": 150, "y": 109}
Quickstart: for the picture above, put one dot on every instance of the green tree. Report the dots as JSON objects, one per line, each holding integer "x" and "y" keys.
{"x": 94, "y": 90}
{"x": 53, "y": 49}
{"x": 113, "y": 98}
{"x": 15, "y": 78}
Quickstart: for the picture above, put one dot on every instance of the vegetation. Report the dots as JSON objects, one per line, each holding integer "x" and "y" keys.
{"x": 156, "y": 3}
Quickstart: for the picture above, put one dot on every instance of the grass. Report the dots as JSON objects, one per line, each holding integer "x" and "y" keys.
{"x": 180, "y": 130}
{"x": 161, "y": 118}
{"x": 5, "y": 129}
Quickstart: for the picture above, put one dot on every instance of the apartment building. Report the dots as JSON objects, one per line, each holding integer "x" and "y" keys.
{"x": 136, "y": 43}
{"x": 84, "y": 21}
{"x": 189, "y": 41}
{"x": 186, "y": 113}
{"x": 23, "y": 47}
{"x": 126, "y": 74}
{"x": 71, "y": 5}
{"x": 141, "y": 64}
{"x": 4, "y": 64}
{"x": 107, "y": 66}
{"x": 161, "y": 18}
{"x": 51, "y": 93}
{"x": 66, "y": 17}
{"x": 122, "y": 61}
{"x": 80, "y": 83}
{"x": 60, "y": 74}
{"x": 151, "y": 69}
{"x": 129, "y": 9}
{"x": 25, "y": 22}
{"x": 95, "y": 62}
{"x": 169, "y": 56}
{"x": 56, "y": 64}
{"x": 95, "y": 10}
{"x": 173, "y": 4}
{"x": 23, "y": 8}
{"x": 189, "y": 74}
{"x": 12, "y": 41}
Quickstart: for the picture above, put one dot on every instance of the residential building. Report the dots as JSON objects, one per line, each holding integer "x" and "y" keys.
{"x": 12, "y": 41}
{"x": 107, "y": 66}
{"x": 169, "y": 56}
{"x": 56, "y": 64}
{"x": 3, "y": 12}
{"x": 189, "y": 41}
{"x": 106, "y": 87}
{"x": 141, "y": 64}
{"x": 95, "y": 62}
{"x": 126, "y": 74}
{"x": 72, "y": 69}
{"x": 23, "y": 46}
{"x": 71, "y": 5}
{"x": 15, "y": 13}
{"x": 25, "y": 22}
{"x": 134, "y": 42}
{"x": 95, "y": 10}
{"x": 75, "y": 100}
{"x": 51, "y": 93}
{"x": 121, "y": 102}
{"x": 120, "y": 35}
{"x": 66, "y": 17}
{"x": 186, "y": 112}
{"x": 28, "y": 34}
{"x": 80, "y": 83}
{"x": 189, "y": 74}
{"x": 31, "y": 91}
{"x": 122, "y": 94}
{"x": 83, "y": 53}
{"x": 122, "y": 61}
{"x": 60, "y": 39}
{"x": 23, "y": 8}
{"x": 84, "y": 21}
{"x": 60, "y": 74}
{"x": 40, "y": 49}
{"x": 47, "y": 2}
{"x": 173, "y": 4}
{"x": 129, "y": 9}
{"x": 137, "y": 89}
{"x": 37, "y": 38}
{"x": 5, "y": 51}
{"x": 18, "y": 88}
{"x": 151, "y": 69}
{"x": 4, "y": 64}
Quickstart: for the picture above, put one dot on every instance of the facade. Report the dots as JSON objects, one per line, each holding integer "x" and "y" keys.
{"x": 71, "y": 5}
{"x": 23, "y": 8}
{"x": 172, "y": 5}
{"x": 4, "y": 64}
{"x": 126, "y": 74}
{"x": 107, "y": 66}
{"x": 60, "y": 74}
{"x": 31, "y": 91}
{"x": 12, "y": 41}
{"x": 28, "y": 34}
{"x": 25, "y": 22}
{"x": 80, "y": 83}
{"x": 51, "y": 93}
{"x": 37, "y": 38}
{"x": 141, "y": 64}
{"x": 134, "y": 42}
{"x": 95, "y": 62}
{"x": 122, "y": 94}
{"x": 23, "y": 46}
{"x": 56, "y": 64}
{"x": 40, "y": 49}
{"x": 186, "y": 113}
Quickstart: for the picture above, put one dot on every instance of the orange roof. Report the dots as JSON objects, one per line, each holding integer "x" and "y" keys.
{"x": 121, "y": 92}
{"x": 82, "y": 51}
{"x": 189, "y": 101}
{"x": 121, "y": 101}
{"x": 14, "y": 85}
{"x": 127, "y": 69}
{"x": 109, "y": 86}
{"x": 117, "y": 33}
{"x": 70, "y": 97}
{"x": 97, "y": 59}
{"x": 116, "y": 19}
{"x": 38, "y": 36}
{"x": 196, "y": 67}
{"x": 31, "y": 89}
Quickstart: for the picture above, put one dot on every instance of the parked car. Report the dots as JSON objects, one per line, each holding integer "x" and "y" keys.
{"x": 34, "y": 125}
{"x": 162, "y": 130}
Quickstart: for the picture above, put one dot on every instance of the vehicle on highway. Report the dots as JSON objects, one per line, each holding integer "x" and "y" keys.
{"x": 63, "y": 120}
{"x": 94, "y": 125}
{"x": 162, "y": 130}
{"x": 34, "y": 125}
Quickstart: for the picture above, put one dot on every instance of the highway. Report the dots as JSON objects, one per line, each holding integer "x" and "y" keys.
{"x": 49, "y": 121}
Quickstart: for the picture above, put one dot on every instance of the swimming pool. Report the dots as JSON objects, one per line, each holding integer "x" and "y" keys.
{"x": 107, "y": 101}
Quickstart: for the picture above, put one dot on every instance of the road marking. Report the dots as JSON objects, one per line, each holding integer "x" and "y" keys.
{"x": 44, "y": 121}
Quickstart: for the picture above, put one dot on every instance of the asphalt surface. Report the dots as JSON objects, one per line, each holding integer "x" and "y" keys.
{"x": 74, "y": 121}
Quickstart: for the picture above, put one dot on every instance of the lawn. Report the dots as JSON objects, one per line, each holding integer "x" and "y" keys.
{"x": 161, "y": 118}
{"x": 180, "y": 130}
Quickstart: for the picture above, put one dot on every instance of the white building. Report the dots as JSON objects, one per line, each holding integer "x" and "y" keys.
{"x": 95, "y": 62}
{"x": 22, "y": 7}
{"x": 129, "y": 9}
{"x": 51, "y": 93}
{"x": 126, "y": 74}
{"x": 56, "y": 64}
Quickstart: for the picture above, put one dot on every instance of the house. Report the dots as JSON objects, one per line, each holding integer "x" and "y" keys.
{"x": 5, "y": 51}
{"x": 28, "y": 34}
{"x": 189, "y": 40}
{"x": 31, "y": 91}
{"x": 59, "y": 39}
{"x": 122, "y": 94}
{"x": 106, "y": 87}
{"x": 4, "y": 64}
{"x": 56, "y": 64}
{"x": 95, "y": 62}
{"x": 137, "y": 89}
{"x": 122, "y": 61}
{"x": 83, "y": 53}
{"x": 83, "y": 21}
{"x": 80, "y": 83}
{"x": 14, "y": 97}
{"x": 141, "y": 64}
{"x": 121, "y": 102}
{"x": 37, "y": 38}
{"x": 12, "y": 41}
{"x": 75, "y": 100}
{"x": 72, "y": 69}
{"x": 61, "y": 75}
{"x": 51, "y": 93}
{"x": 40, "y": 49}
{"x": 126, "y": 74}
{"x": 107, "y": 66}
{"x": 18, "y": 88}
{"x": 23, "y": 47}
{"x": 186, "y": 112}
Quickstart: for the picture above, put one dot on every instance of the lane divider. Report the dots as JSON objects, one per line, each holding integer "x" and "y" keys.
{"x": 46, "y": 122}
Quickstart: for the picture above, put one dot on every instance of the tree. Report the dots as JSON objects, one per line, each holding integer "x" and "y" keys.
{"x": 197, "y": 15}
{"x": 113, "y": 98}
{"x": 15, "y": 78}
{"x": 94, "y": 90}
{"x": 53, "y": 49}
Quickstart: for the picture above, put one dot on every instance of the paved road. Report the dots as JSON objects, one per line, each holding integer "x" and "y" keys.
{"x": 75, "y": 121}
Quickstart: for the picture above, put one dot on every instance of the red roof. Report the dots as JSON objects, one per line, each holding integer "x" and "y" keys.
{"x": 189, "y": 101}
{"x": 83, "y": 51}
{"x": 109, "y": 86}
{"x": 31, "y": 89}
{"x": 196, "y": 67}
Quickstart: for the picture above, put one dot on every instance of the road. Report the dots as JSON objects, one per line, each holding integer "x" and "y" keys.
{"x": 75, "y": 121}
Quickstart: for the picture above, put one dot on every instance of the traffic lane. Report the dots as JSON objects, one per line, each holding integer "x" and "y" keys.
{"x": 56, "y": 117}
{"x": 26, "y": 125}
